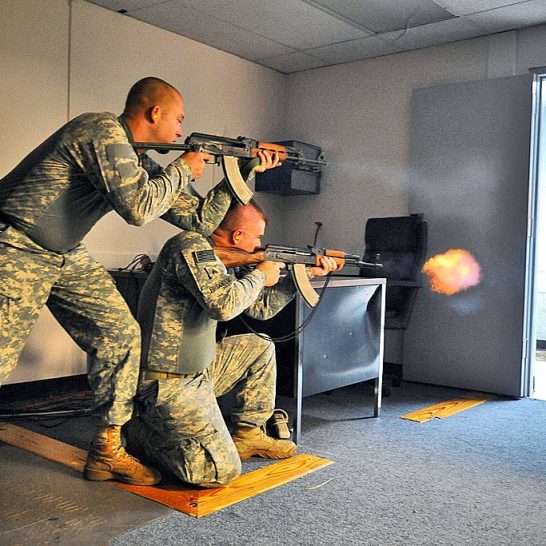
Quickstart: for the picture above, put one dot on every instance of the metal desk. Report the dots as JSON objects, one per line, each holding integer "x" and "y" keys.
{"x": 343, "y": 343}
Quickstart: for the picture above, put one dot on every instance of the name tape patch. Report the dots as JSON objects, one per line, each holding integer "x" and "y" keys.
{"x": 203, "y": 256}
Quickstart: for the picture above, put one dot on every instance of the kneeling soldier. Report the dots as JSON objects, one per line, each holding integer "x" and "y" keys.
{"x": 180, "y": 428}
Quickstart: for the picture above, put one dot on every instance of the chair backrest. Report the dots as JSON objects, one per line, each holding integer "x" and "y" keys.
{"x": 401, "y": 243}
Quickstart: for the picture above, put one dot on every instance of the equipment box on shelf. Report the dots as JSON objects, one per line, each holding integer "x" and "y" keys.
{"x": 290, "y": 179}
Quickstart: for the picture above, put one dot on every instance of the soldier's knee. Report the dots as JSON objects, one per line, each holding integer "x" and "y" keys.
{"x": 222, "y": 476}
{"x": 133, "y": 330}
{"x": 129, "y": 324}
{"x": 265, "y": 346}
{"x": 127, "y": 332}
{"x": 270, "y": 349}
{"x": 225, "y": 475}
{"x": 118, "y": 340}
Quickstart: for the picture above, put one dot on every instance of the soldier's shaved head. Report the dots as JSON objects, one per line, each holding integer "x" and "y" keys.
{"x": 154, "y": 111}
{"x": 242, "y": 227}
{"x": 238, "y": 216}
{"x": 149, "y": 92}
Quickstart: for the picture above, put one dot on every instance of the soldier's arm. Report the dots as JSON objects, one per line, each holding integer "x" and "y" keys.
{"x": 203, "y": 215}
{"x": 273, "y": 299}
{"x": 222, "y": 295}
{"x": 112, "y": 165}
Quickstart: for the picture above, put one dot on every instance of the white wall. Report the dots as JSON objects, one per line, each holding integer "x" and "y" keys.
{"x": 34, "y": 68}
{"x": 34, "y": 98}
{"x": 359, "y": 113}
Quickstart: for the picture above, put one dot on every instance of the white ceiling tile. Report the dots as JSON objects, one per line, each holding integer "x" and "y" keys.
{"x": 354, "y": 50}
{"x": 291, "y": 22}
{"x": 294, "y": 35}
{"x": 511, "y": 17}
{"x": 382, "y": 16}
{"x": 464, "y": 7}
{"x": 211, "y": 31}
{"x": 128, "y": 5}
{"x": 433, "y": 34}
{"x": 292, "y": 62}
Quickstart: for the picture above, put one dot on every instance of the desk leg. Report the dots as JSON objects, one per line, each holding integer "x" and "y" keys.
{"x": 299, "y": 401}
{"x": 378, "y": 386}
{"x": 297, "y": 421}
{"x": 379, "y": 379}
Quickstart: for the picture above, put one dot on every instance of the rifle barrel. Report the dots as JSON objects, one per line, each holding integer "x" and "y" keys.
{"x": 158, "y": 146}
{"x": 212, "y": 142}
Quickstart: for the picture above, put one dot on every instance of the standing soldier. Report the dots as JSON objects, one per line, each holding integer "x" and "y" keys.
{"x": 49, "y": 202}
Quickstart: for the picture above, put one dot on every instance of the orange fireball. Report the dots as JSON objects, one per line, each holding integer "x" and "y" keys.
{"x": 452, "y": 271}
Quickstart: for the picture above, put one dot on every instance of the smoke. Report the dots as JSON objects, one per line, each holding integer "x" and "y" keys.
{"x": 466, "y": 304}
{"x": 452, "y": 271}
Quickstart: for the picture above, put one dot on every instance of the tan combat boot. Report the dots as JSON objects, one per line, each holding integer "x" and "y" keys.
{"x": 255, "y": 442}
{"x": 108, "y": 460}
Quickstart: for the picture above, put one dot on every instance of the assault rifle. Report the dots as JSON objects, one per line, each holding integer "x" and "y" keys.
{"x": 229, "y": 150}
{"x": 296, "y": 260}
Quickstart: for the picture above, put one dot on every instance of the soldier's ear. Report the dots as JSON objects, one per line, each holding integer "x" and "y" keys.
{"x": 153, "y": 113}
{"x": 236, "y": 235}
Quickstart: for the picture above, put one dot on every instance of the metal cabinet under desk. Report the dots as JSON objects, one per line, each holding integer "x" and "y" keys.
{"x": 341, "y": 345}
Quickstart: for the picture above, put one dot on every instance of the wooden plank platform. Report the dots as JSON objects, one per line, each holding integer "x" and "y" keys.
{"x": 200, "y": 502}
{"x": 43, "y": 446}
{"x": 443, "y": 409}
{"x": 196, "y": 502}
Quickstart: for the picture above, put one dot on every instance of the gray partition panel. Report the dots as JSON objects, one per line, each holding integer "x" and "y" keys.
{"x": 469, "y": 176}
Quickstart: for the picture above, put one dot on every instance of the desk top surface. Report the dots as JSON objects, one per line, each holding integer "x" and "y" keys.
{"x": 339, "y": 280}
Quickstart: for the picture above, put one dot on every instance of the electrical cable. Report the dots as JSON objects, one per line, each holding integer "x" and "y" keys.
{"x": 141, "y": 262}
{"x": 299, "y": 329}
{"x": 76, "y": 405}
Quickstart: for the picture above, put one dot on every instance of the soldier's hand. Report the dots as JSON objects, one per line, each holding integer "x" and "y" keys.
{"x": 196, "y": 161}
{"x": 268, "y": 160}
{"x": 272, "y": 271}
{"x": 327, "y": 265}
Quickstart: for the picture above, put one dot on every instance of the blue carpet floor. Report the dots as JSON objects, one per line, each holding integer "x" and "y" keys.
{"x": 475, "y": 478}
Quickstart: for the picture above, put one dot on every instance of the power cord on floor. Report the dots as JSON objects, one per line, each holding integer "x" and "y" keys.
{"x": 64, "y": 407}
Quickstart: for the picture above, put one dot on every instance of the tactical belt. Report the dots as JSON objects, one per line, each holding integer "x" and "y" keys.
{"x": 152, "y": 376}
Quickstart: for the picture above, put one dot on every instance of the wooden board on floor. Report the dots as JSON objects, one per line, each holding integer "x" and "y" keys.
{"x": 195, "y": 502}
{"x": 200, "y": 502}
{"x": 443, "y": 409}
{"x": 43, "y": 446}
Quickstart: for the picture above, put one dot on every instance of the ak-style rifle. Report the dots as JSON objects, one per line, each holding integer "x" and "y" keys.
{"x": 296, "y": 259}
{"x": 229, "y": 150}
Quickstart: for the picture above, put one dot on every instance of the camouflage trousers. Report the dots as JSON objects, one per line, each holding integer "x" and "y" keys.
{"x": 85, "y": 301}
{"x": 181, "y": 429}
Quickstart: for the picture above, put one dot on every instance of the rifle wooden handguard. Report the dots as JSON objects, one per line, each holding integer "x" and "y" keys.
{"x": 232, "y": 257}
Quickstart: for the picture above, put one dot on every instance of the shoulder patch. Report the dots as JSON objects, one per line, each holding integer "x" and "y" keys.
{"x": 123, "y": 159}
{"x": 202, "y": 256}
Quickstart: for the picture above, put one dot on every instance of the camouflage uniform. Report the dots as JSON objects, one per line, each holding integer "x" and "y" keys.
{"x": 180, "y": 427}
{"x": 48, "y": 203}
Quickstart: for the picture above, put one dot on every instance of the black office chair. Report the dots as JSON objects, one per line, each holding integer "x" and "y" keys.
{"x": 401, "y": 243}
